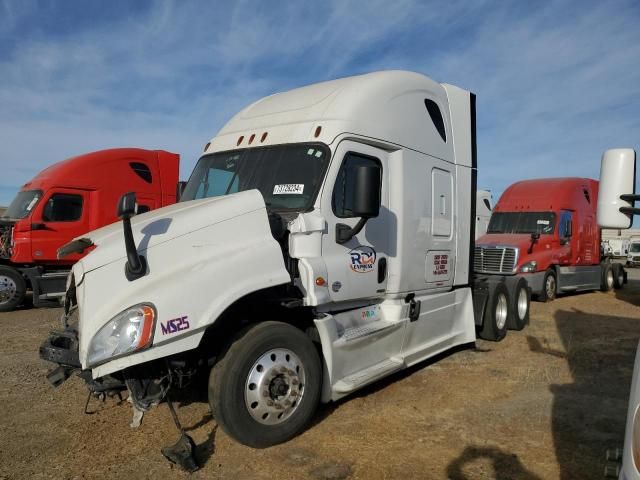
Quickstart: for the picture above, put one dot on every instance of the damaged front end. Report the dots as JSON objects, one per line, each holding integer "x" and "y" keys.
{"x": 6, "y": 238}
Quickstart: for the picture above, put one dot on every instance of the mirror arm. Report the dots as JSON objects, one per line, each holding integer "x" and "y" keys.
{"x": 136, "y": 264}
{"x": 630, "y": 210}
{"x": 344, "y": 233}
{"x": 629, "y": 197}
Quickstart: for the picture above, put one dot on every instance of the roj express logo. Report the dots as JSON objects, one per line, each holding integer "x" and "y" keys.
{"x": 363, "y": 259}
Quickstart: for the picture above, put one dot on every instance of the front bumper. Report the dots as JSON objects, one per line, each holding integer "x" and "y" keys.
{"x": 62, "y": 348}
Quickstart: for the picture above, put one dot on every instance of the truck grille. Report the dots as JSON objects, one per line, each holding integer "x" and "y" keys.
{"x": 495, "y": 259}
{"x": 6, "y": 229}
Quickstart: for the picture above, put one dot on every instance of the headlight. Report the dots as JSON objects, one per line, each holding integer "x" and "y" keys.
{"x": 529, "y": 267}
{"x": 127, "y": 332}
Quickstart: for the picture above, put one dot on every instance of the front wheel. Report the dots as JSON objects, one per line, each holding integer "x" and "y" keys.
{"x": 549, "y": 287}
{"x": 266, "y": 387}
{"x": 12, "y": 288}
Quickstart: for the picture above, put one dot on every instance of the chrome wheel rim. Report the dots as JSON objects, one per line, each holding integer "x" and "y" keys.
{"x": 501, "y": 311}
{"x": 550, "y": 286}
{"x": 274, "y": 387}
{"x": 7, "y": 289}
{"x": 523, "y": 305}
{"x": 609, "y": 279}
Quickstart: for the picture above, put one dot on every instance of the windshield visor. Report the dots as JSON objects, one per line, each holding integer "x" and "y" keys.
{"x": 522, "y": 222}
{"x": 23, "y": 204}
{"x": 288, "y": 176}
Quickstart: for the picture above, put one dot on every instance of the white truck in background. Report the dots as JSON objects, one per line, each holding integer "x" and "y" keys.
{"x": 324, "y": 240}
{"x": 616, "y": 210}
{"x": 633, "y": 257}
{"x": 484, "y": 205}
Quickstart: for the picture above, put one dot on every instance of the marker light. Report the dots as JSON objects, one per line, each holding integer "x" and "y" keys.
{"x": 240, "y": 138}
{"x": 318, "y": 130}
{"x": 129, "y": 331}
{"x": 253, "y": 135}
{"x": 320, "y": 281}
{"x": 264, "y": 137}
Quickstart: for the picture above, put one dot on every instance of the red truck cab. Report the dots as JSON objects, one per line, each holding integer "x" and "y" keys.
{"x": 545, "y": 230}
{"x": 66, "y": 200}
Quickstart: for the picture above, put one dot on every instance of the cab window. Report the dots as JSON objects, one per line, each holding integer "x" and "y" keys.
{"x": 63, "y": 207}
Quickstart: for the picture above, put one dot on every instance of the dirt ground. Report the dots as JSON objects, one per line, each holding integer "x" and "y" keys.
{"x": 545, "y": 403}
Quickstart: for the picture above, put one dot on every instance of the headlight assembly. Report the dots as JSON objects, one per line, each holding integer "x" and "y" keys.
{"x": 129, "y": 331}
{"x": 529, "y": 267}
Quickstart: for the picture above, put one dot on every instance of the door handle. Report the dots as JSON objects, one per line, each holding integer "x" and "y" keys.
{"x": 443, "y": 205}
{"x": 39, "y": 226}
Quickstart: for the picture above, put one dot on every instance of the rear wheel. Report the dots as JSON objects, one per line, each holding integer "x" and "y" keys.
{"x": 496, "y": 314}
{"x": 520, "y": 304}
{"x": 549, "y": 287}
{"x": 618, "y": 274}
{"x": 608, "y": 278}
{"x": 266, "y": 387}
{"x": 12, "y": 288}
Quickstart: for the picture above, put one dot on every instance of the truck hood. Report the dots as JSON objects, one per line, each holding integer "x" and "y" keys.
{"x": 202, "y": 256}
{"x": 518, "y": 240}
{"x": 165, "y": 224}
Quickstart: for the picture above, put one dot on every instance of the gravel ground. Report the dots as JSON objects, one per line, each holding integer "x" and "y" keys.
{"x": 545, "y": 403}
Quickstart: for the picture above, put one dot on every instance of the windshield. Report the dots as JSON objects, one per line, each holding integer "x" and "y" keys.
{"x": 22, "y": 205}
{"x": 522, "y": 222}
{"x": 288, "y": 176}
{"x": 635, "y": 248}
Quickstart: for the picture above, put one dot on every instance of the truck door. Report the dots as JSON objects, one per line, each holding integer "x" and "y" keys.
{"x": 61, "y": 216}
{"x": 356, "y": 269}
{"x": 565, "y": 234}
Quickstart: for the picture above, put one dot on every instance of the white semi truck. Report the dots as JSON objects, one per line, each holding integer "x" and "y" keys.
{"x": 484, "y": 205}
{"x": 324, "y": 241}
{"x": 616, "y": 210}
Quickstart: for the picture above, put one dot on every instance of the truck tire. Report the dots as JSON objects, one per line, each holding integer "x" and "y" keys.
{"x": 520, "y": 305}
{"x": 265, "y": 388}
{"x": 549, "y": 287}
{"x": 12, "y": 288}
{"x": 496, "y": 314}
{"x": 608, "y": 278}
{"x": 618, "y": 276}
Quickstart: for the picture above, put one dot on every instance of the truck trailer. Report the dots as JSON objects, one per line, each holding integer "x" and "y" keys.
{"x": 324, "y": 240}
{"x": 64, "y": 201}
{"x": 545, "y": 231}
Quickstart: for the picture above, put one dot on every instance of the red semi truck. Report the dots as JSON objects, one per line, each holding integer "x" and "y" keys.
{"x": 545, "y": 230}
{"x": 66, "y": 200}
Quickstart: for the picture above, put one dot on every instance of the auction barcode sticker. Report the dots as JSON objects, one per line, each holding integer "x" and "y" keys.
{"x": 288, "y": 189}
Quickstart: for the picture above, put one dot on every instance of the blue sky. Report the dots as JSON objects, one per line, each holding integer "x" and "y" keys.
{"x": 557, "y": 82}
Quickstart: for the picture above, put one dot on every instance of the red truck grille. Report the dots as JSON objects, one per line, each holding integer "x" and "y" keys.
{"x": 6, "y": 229}
{"x": 495, "y": 259}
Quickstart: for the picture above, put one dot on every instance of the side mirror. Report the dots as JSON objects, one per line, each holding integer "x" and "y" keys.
{"x": 535, "y": 236}
{"x": 127, "y": 206}
{"x": 136, "y": 265}
{"x": 617, "y": 182}
{"x": 365, "y": 201}
{"x": 180, "y": 190}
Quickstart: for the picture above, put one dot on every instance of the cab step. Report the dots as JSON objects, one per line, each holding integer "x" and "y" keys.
{"x": 368, "y": 375}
